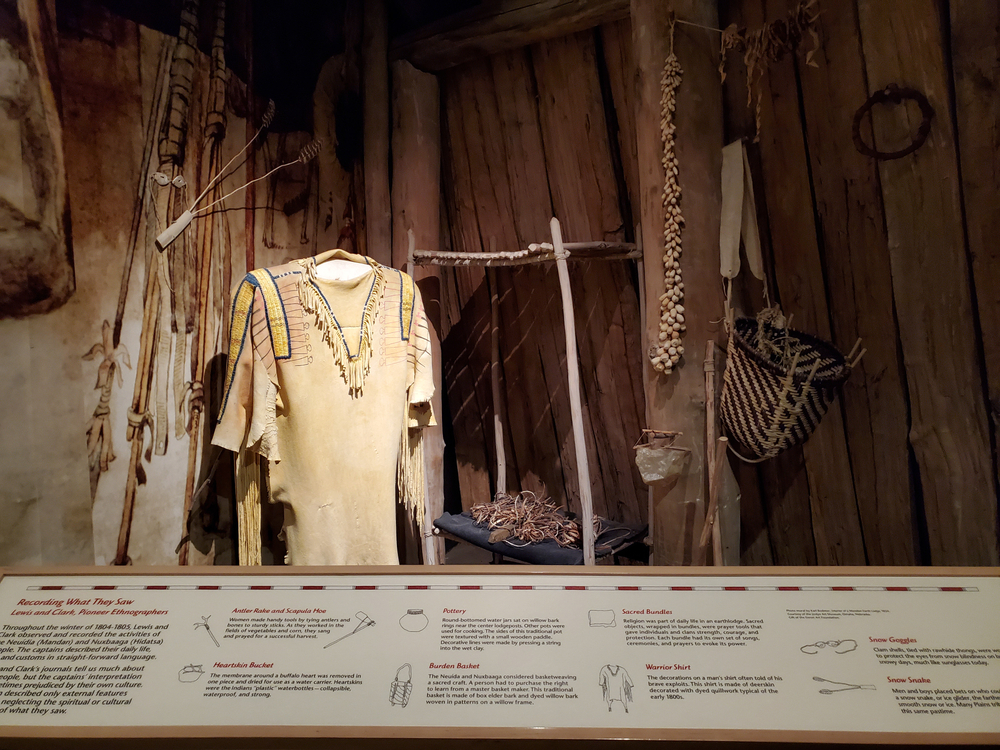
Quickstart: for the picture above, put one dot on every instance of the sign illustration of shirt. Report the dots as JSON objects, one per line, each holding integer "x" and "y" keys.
{"x": 616, "y": 685}
{"x": 327, "y": 379}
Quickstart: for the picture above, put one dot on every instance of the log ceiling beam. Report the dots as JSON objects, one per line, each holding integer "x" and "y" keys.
{"x": 499, "y": 26}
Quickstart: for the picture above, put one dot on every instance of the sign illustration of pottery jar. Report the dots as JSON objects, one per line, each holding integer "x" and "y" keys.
{"x": 414, "y": 620}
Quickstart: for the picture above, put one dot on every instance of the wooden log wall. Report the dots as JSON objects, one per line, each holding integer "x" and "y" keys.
{"x": 526, "y": 136}
{"x": 903, "y": 469}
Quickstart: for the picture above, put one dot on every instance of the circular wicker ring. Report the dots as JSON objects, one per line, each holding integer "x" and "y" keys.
{"x": 893, "y": 94}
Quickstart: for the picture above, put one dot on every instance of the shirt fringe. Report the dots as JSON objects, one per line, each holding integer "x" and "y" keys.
{"x": 353, "y": 368}
{"x": 410, "y": 474}
{"x": 248, "y": 515}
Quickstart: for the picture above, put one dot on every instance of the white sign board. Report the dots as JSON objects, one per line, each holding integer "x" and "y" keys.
{"x": 617, "y": 654}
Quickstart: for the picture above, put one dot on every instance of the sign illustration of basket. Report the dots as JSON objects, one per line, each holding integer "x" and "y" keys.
{"x": 767, "y": 405}
{"x": 400, "y": 689}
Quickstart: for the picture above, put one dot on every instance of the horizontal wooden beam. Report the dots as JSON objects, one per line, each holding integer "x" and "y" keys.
{"x": 536, "y": 253}
{"x": 499, "y": 26}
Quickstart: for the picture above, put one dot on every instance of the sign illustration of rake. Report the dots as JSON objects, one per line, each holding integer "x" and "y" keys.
{"x": 366, "y": 622}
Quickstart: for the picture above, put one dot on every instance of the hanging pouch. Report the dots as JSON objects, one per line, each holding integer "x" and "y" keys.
{"x": 399, "y": 691}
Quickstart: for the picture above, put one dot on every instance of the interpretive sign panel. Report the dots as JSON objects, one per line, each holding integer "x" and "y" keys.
{"x": 619, "y": 655}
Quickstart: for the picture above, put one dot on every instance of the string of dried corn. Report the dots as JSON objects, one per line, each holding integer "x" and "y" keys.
{"x": 769, "y": 44}
{"x": 666, "y": 351}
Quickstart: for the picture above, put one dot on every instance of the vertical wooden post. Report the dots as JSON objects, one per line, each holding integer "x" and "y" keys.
{"x": 416, "y": 211}
{"x": 375, "y": 94}
{"x": 677, "y": 401}
{"x": 575, "y": 402}
{"x": 250, "y": 128}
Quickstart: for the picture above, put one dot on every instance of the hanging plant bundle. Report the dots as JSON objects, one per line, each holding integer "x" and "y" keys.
{"x": 778, "y": 385}
{"x": 768, "y": 44}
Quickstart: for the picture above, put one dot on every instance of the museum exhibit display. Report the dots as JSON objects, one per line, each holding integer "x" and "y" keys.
{"x": 425, "y": 372}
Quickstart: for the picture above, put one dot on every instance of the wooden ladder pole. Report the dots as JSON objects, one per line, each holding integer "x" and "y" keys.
{"x": 501, "y": 483}
{"x": 576, "y": 407}
{"x": 495, "y": 376}
{"x": 644, "y": 347}
{"x": 710, "y": 434}
{"x": 711, "y": 453}
{"x": 717, "y": 459}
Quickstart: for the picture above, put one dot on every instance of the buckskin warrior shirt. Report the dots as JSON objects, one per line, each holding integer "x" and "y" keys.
{"x": 331, "y": 380}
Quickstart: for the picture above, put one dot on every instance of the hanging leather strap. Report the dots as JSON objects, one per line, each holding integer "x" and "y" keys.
{"x": 739, "y": 221}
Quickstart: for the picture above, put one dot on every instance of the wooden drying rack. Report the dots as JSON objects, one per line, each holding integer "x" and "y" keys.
{"x": 560, "y": 252}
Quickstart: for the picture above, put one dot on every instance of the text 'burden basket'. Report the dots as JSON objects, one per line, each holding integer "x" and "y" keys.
{"x": 768, "y": 408}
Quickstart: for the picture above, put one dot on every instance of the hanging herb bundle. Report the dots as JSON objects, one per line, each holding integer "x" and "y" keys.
{"x": 769, "y": 44}
{"x": 772, "y": 340}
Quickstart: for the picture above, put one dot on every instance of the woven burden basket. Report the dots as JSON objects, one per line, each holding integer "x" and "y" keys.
{"x": 768, "y": 408}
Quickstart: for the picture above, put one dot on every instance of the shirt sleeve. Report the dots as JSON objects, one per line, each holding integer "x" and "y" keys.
{"x": 237, "y": 399}
{"x": 247, "y": 417}
{"x": 421, "y": 386}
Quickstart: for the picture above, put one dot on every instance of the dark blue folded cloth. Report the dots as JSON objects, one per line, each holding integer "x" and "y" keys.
{"x": 548, "y": 552}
